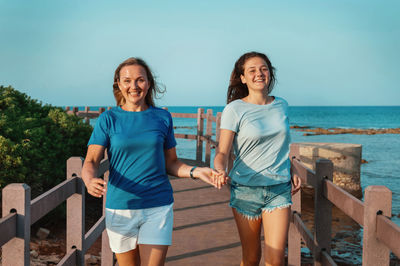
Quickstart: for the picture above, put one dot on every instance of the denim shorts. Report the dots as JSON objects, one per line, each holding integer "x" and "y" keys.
{"x": 252, "y": 201}
{"x": 128, "y": 228}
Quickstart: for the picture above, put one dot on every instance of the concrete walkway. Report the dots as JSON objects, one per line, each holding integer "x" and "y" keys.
{"x": 204, "y": 229}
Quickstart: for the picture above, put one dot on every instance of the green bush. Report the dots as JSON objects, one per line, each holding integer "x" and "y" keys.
{"x": 36, "y": 140}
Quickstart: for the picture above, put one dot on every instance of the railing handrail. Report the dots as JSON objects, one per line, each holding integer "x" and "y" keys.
{"x": 372, "y": 218}
{"x": 386, "y": 231}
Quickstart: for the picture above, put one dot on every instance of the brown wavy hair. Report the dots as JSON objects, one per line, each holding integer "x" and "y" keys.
{"x": 154, "y": 89}
{"x": 238, "y": 90}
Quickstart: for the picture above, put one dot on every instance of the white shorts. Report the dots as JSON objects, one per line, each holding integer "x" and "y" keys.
{"x": 128, "y": 228}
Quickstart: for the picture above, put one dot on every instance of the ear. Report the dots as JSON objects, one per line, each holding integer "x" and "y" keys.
{"x": 242, "y": 79}
{"x": 119, "y": 84}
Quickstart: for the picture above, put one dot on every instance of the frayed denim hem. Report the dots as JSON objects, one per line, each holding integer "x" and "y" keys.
{"x": 283, "y": 206}
{"x": 250, "y": 217}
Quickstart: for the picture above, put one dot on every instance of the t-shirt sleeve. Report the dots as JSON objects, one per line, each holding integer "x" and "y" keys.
{"x": 170, "y": 141}
{"x": 229, "y": 119}
{"x": 100, "y": 134}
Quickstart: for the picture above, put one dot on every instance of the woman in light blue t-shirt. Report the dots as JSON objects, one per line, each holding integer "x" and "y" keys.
{"x": 140, "y": 143}
{"x": 256, "y": 125}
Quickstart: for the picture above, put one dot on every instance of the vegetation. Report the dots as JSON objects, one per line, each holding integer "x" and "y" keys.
{"x": 36, "y": 140}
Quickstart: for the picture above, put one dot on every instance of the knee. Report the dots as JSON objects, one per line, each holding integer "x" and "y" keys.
{"x": 250, "y": 260}
{"x": 275, "y": 261}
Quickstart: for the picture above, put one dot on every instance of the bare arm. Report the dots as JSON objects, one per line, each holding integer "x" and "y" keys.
{"x": 224, "y": 149}
{"x": 177, "y": 168}
{"x": 94, "y": 185}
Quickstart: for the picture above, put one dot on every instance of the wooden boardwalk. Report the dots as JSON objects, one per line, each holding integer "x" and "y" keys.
{"x": 204, "y": 229}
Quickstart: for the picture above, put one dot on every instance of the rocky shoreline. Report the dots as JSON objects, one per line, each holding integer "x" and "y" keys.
{"x": 335, "y": 131}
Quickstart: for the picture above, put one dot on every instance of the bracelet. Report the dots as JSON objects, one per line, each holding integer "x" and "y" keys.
{"x": 191, "y": 172}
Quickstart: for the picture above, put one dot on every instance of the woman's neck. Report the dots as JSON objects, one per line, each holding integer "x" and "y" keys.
{"x": 258, "y": 98}
{"x": 134, "y": 107}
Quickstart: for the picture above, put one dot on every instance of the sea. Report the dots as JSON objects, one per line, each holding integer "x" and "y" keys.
{"x": 381, "y": 151}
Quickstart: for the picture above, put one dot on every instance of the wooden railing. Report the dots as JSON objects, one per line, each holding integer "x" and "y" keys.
{"x": 201, "y": 136}
{"x": 380, "y": 234}
{"x": 20, "y": 212}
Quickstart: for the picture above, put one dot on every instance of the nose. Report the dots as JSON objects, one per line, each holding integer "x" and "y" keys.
{"x": 259, "y": 73}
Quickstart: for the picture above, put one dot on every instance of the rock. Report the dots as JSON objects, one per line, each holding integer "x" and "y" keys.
{"x": 91, "y": 259}
{"x": 34, "y": 254}
{"x": 42, "y": 233}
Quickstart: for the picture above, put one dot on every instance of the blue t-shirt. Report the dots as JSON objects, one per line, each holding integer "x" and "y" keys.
{"x": 135, "y": 143}
{"x": 261, "y": 143}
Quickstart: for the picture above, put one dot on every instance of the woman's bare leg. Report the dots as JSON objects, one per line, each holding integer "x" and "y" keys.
{"x": 249, "y": 233}
{"x": 129, "y": 258}
{"x": 153, "y": 255}
{"x": 276, "y": 225}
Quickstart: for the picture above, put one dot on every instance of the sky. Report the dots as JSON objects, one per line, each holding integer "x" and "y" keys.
{"x": 327, "y": 53}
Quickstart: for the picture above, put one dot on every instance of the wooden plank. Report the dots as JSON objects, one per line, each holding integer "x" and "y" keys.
{"x": 69, "y": 259}
{"x": 183, "y": 115}
{"x": 377, "y": 199}
{"x": 322, "y": 210}
{"x": 8, "y": 228}
{"x": 304, "y": 232}
{"x": 388, "y": 233}
{"x": 294, "y": 237}
{"x": 217, "y": 130}
{"x": 46, "y": 202}
{"x": 209, "y": 135}
{"x": 327, "y": 259}
{"x": 350, "y": 205}
{"x": 94, "y": 233}
{"x": 200, "y": 130}
{"x": 185, "y": 136}
{"x": 306, "y": 175}
{"x": 17, "y": 196}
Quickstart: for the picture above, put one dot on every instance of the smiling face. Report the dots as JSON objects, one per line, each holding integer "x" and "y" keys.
{"x": 255, "y": 74}
{"x": 134, "y": 85}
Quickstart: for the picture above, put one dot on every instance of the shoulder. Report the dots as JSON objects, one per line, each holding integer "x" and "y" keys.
{"x": 109, "y": 114}
{"x": 234, "y": 106}
{"x": 281, "y": 102}
{"x": 160, "y": 112}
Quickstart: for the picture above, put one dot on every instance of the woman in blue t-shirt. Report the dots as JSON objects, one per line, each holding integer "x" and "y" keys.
{"x": 140, "y": 144}
{"x": 256, "y": 125}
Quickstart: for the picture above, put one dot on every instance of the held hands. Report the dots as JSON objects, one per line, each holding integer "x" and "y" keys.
{"x": 210, "y": 176}
{"x": 96, "y": 187}
{"x": 296, "y": 184}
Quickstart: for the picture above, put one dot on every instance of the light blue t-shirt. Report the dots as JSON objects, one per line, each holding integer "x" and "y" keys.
{"x": 135, "y": 143}
{"x": 261, "y": 142}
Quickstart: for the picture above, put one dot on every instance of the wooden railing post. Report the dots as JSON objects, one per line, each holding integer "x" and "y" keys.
{"x": 200, "y": 129}
{"x": 322, "y": 211}
{"x": 87, "y": 119}
{"x": 294, "y": 238}
{"x": 217, "y": 130}
{"x": 76, "y": 211}
{"x": 377, "y": 200}
{"x": 75, "y": 110}
{"x": 17, "y": 197}
{"x": 209, "y": 135}
{"x": 107, "y": 256}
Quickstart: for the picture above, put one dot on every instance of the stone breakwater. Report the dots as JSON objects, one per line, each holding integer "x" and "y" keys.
{"x": 336, "y": 131}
